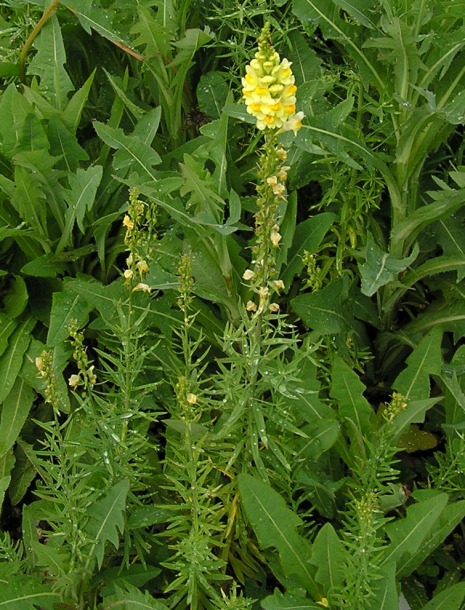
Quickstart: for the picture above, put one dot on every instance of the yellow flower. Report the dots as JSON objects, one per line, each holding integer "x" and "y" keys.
{"x": 142, "y": 267}
{"x": 269, "y": 86}
{"x": 251, "y": 306}
{"x": 73, "y": 381}
{"x": 272, "y": 180}
{"x": 294, "y": 123}
{"x": 248, "y": 274}
{"x": 278, "y": 190}
{"x": 275, "y": 237}
{"x": 142, "y": 287}
{"x": 127, "y": 222}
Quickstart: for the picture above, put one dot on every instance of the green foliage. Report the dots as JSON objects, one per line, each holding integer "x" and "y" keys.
{"x": 231, "y": 360}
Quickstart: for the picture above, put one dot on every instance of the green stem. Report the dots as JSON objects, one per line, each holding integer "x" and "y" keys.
{"x": 32, "y": 36}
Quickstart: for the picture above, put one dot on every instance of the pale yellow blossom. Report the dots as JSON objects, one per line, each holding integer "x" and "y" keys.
{"x": 294, "y": 123}
{"x": 142, "y": 287}
{"x": 127, "y": 222}
{"x": 279, "y": 285}
{"x": 273, "y": 307}
{"x": 91, "y": 375}
{"x": 73, "y": 381}
{"x": 191, "y": 399}
{"x": 128, "y": 274}
{"x": 142, "y": 267}
{"x": 251, "y": 306}
{"x": 278, "y": 190}
{"x": 248, "y": 274}
{"x": 275, "y": 238}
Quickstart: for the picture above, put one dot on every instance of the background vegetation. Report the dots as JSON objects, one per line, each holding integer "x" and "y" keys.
{"x": 165, "y": 441}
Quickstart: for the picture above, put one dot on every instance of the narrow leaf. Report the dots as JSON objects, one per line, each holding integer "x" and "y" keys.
{"x": 26, "y": 594}
{"x": 12, "y": 359}
{"x": 131, "y": 598}
{"x": 4, "y": 484}
{"x": 450, "y": 599}
{"x": 328, "y": 557}
{"x": 414, "y": 413}
{"x": 66, "y": 306}
{"x": 380, "y": 268}
{"x": 347, "y": 390}
{"x": 386, "y": 596}
{"x": 134, "y": 152}
{"x": 450, "y": 517}
{"x": 23, "y": 473}
{"x": 287, "y": 601}
{"x": 425, "y": 360}
{"x": 327, "y": 311}
{"x": 71, "y": 115}
{"x": 80, "y": 199}
{"x": 407, "y": 535}
{"x": 63, "y": 144}
{"x": 275, "y": 526}
{"x": 15, "y": 410}
{"x": 212, "y": 92}
{"x": 446, "y": 202}
{"x": 306, "y": 65}
{"x": 49, "y": 61}
{"x": 307, "y": 237}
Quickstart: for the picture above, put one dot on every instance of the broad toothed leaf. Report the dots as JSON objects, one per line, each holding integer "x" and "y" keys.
{"x": 49, "y": 63}
{"x": 106, "y": 518}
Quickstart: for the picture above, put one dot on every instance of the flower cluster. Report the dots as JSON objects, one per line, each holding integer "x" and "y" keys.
{"x": 398, "y": 404}
{"x": 271, "y": 192}
{"x": 86, "y": 375}
{"x": 186, "y": 284}
{"x": 140, "y": 238}
{"x": 269, "y": 88}
{"x": 46, "y": 372}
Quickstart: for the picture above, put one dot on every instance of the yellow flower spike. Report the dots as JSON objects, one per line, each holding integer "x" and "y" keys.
{"x": 268, "y": 87}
